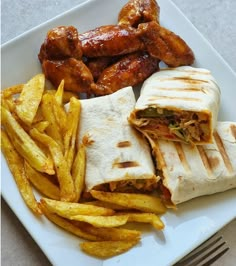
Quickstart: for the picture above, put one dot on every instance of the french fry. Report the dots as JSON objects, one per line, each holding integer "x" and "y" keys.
{"x": 112, "y": 234}
{"x": 100, "y": 221}
{"x": 60, "y": 116}
{"x": 25, "y": 145}
{"x": 71, "y": 132}
{"x": 107, "y": 249}
{"x": 78, "y": 171}
{"x": 16, "y": 165}
{"x": 53, "y": 130}
{"x": 66, "y": 95}
{"x": 67, "y": 225}
{"x": 67, "y": 191}
{"x": 145, "y": 218}
{"x": 142, "y": 202}
{"x": 8, "y": 103}
{"x": 42, "y": 183}
{"x": 109, "y": 205}
{"x": 59, "y": 93}
{"x": 41, "y": 126}
{"x": 71, "y": 208}
{"x": 30, "y": 98}
{"x": 10, "y": 91}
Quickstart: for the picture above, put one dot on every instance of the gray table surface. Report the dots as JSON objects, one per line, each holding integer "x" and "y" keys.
{"x": 215, "y": 19}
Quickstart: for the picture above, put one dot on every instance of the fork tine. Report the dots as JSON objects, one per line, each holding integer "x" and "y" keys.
{"x": 216, "y": 257}
{"x": 206, "y": 255}
{"x": 197, "y": 256}
{"x": 194, "y": 255}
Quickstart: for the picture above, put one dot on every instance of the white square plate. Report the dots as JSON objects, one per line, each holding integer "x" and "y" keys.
{"x": 187, "y": 227}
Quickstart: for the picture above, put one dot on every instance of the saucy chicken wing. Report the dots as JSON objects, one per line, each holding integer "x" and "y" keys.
{"x": 110, "y": 40}
{"x": 165, "y": 45}
{"x": 131, "y": 70}
{"x": 76, "y": 75}
{"x": 61, "y": 43}
{"x": 98, "y": 64}
{"x": 138, "y": 11}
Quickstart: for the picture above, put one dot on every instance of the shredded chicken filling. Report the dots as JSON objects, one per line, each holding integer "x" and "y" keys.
{"x": 170, "y": 124}
{"x": 132, "y": 185}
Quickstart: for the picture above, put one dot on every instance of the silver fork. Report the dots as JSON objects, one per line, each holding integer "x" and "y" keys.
{"x": 205, "y": 254}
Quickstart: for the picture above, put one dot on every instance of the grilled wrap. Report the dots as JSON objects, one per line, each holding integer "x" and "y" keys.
{"x": 178, "y": 104}
{"x": 188, "y": 171}
{"x": 118, "y": 156}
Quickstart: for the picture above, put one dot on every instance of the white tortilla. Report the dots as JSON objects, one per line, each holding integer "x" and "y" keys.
{"x": 183, "y": 88}
{"x": 113, "y": 140}
{"x": 192, "y": 171}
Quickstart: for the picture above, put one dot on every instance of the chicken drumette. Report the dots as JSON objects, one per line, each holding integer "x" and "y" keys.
{"x": 61, "y": 58}
{"x": 165, "y": 45}
{"x": 76, "y": 75}
{"x": 110, "y": 40}
{"x": 139, "y": 11}
{"x": 128, "y": 71}
{"x": 61, "y": 43}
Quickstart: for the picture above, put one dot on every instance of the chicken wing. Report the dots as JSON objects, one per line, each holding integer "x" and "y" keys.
{"x": 165, "y": 45}
{"x": 76, "y": 75}
{"x": 139, "y": 11}
{"x": 110, "y": 40}
{"x": 98, "y": 64}
{"x": 61, "y": 43}
{"x": 131, "y": 70}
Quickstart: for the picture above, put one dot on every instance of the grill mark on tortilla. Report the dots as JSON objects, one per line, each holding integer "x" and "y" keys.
{"x": 223, "y": 152}
{"x": 182, "y": 89}
{"x": 193, "y": 71}
{"x": 205, "y": 160}
{"x": 233, "y": 130}
{"x": 173, "y": 98}
{"x": 182, "y": 157}
{"x": 124, "y": 144}
{"x": 126, "y": 164}
{"x": 190, "y": 80}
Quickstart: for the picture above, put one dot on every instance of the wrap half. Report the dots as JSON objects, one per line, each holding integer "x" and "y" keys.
{"x": 190, "y": 171}
{"x": 178, "y": 104}
{"x": 118, "y": 157}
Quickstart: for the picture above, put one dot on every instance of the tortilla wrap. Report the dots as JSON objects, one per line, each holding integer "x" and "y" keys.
{"x": 191, "y": 171}
{"x": 178, "y": 104}
{"x": 117, "y": 154}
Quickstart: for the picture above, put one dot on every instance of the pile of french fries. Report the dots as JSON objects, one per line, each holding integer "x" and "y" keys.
{"x": 39, "y": 142}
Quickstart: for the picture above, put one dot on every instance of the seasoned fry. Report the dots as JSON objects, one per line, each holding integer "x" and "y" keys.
{"x": 100, "y": 221}
{"x": 16, "y": 165}
{"x": 30, "y": 98}
{"x": 8, "y": 103}
{"x": 42, "y": 183}
{"x": 41, "y": 126}
{"x": 60, "y": 116}
{"x": 59, "y": 93}
{"x": 67, "y": 191}
{"x": 106, "y": 249}
{"x": 112, "y": 234}
{"x": 78, "y": 171}
{"x": 23, "y": 143}
{"x": 67, "y": 95}
{"x": 10, "y": 91}
{"x": 53, "y": 130}
{"x": 145, "y": 218}
{"x": 71, "y": 132}
{"x": 67, "y": 225}
{"x": 70, "y": 208}
{"x": 110, "y": 205}
{"x": 145, "y": 203}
